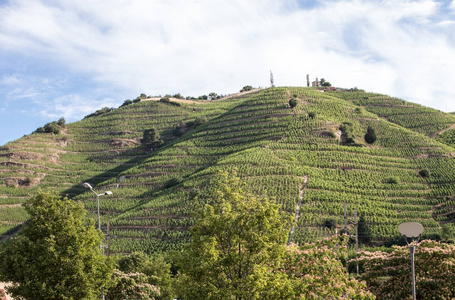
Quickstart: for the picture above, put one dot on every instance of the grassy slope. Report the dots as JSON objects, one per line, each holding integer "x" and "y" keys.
{"x": 272, "y": 146}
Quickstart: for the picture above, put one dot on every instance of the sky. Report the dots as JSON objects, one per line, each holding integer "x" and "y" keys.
{"x": 70, "y": 58}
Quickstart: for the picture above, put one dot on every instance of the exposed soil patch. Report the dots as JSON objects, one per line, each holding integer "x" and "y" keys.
{"x": 123, "y": 142}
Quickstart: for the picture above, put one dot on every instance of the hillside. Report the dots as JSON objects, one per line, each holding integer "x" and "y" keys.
{"x": 296, "y": 156}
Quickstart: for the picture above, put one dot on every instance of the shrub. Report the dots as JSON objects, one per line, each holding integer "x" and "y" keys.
{"x": 330, "y": 223}
{"x": 99, "y": 112}
{"x": 293, "y": 102}
{"x": 424, "y": 173}
{"x": 165, "y": 99}
{"x": 171, "y": 182}
{"x": 61, "y": 122}
{"x": 52, "y": 127}
{"x": 311, "y": 115}
{"x": 370, "y": 136}
{"x": 200, "y": 120}
{"x": 40, "y": 130}
{"x": 392, "y": 180}
{"x": 246, "y": 88}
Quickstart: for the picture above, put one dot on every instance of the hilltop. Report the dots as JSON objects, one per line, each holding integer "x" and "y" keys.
{"x": 296, "y": 156}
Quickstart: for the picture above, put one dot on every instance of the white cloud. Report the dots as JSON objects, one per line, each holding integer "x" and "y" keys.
{"x": 73, "y": 106}
{"x": 195, "y": 47}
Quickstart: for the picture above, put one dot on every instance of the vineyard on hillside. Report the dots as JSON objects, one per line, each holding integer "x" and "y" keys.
{"x": 313, "y": 153}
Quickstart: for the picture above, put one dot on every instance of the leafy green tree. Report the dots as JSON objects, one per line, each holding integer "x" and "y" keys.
{"x": 324, "y": 82}
{"x": 61, "y": 122}
{"x": 370, "y": 136}
{"x": 57, "y": 255}
{"x": 424, "y": 173}
{"x": 40, "y": 130}
{"x": 293, "y": 102}
{"x": 246, "y": 88}
{"x": 364, "y": 231}
{"x": 151, "y": 138}
{"x": 388, "y": 274}
{"x": 236, "y": 247}
{"x": 316, "y": 272}
{"x": 126, "y": 102}
{"x": 52, "y": 127}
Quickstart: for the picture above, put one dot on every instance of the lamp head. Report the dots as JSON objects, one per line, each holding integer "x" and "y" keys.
{"x": 87, "y": 185}
{"x": 411, "y": 229}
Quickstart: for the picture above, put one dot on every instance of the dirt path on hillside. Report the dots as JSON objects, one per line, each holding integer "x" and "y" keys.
{"x": 297, "y": 207}
{"x": 442, "y": 131}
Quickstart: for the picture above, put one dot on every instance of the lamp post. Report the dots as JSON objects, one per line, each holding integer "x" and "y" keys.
{"x": 413, "y": 231}
{"x": 88, "y": 186}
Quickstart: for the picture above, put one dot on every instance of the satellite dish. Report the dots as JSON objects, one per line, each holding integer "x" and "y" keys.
{"x": 410, "y": 229}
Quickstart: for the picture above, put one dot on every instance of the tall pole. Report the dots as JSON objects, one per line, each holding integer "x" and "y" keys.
{"x": 412, "y": 250}
{"x": 346, "y": 232}
{"x": 98, "y": 207}
{"x": 356, "y": 239}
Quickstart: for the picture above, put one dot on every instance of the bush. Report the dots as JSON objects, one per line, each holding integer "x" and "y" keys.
{"x": 40, "y": 130}
{"x": 246, "y": 88}
{"x": 52, "y": 127}
{"x": 61, "y": 122}
{"x": 199, "y": 121}
{"x": 392, "y": 180}
{"x": 370, "y": 136}
{"x": 171, "y": 182}
{"x": 424, "y": 173}
{"x": 99, "y": 112}
{"x": 293, "y": 102}
{"x": 311, "y": 115}
{"x": 165, "y": 99}
{"x": 330, "y": 223}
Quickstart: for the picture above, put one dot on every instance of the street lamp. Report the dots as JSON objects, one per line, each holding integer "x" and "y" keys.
{"x": 413, "y": 231}
{"x": 88, "y": 186}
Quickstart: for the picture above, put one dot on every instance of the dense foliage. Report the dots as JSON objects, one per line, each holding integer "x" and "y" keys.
{"x": 237, "y": 243}
{"x": 57, "y": 254}
{"x": 316, "y": 272}
{"x": 388, "y": 274}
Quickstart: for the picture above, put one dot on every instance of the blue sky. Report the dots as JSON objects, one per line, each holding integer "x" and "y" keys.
{"x": 70, "y": 58}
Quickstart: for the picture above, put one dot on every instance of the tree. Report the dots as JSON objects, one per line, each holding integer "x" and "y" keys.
{"x": 424, "y": 173}
{"x": 246, "y": 88}
{"x": 57, "y": 255}
{"x": 61, "y": 122}
{"x": 316, "y": 272}
{"x": 323, "y": 82}
{"x": 370, "y": 136}
{"x": 52, "y": 127}
{"x": 293, "y": 102}
{"x": 151, "y": 138}
{"x": 364, "y": 231}
{"x": 388, "y": 275}
{"x": 126, "y": 102}
{"x": 237, "y": 244}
